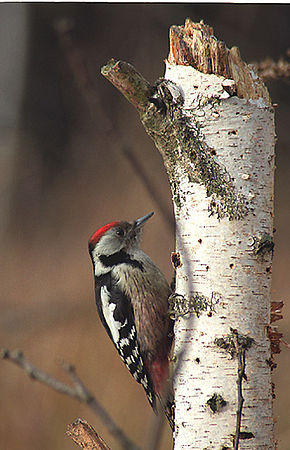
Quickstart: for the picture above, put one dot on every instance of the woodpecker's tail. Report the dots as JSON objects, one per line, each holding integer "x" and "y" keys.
{"x": 162, "y": 382}
{"x": 168, "y": 408}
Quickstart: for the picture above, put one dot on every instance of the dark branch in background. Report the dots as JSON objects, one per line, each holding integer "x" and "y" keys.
{"x": 76, "y": 60}
{"x": 274, "y": 70}
{"x": 78, "y": 391}
{"x": 151, "y": 189}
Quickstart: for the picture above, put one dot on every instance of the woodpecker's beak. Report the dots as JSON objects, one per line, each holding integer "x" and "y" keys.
{"x": 139, "y": 222}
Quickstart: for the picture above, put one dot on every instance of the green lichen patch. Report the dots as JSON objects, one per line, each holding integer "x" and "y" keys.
{"x": 180, "y": 305}
{"x": 263, "y": 244}
{"x": 216, "y": 402}
{"x": 184, "y": 150}
{"x": 230, "y": 342}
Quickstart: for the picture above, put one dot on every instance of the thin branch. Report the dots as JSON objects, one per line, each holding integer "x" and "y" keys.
{"x": 84, "y": 435}
{"x": 77, "y": 391}
{"x": 285, "y": 343}
{"x": 129, "y": 82}
{"x": 36, "y": 374}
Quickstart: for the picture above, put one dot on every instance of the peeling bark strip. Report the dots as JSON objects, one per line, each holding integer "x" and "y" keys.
{"x": 213, "y": 123}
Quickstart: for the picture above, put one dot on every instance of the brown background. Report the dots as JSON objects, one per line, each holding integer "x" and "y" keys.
{"x": 73, "y": 157}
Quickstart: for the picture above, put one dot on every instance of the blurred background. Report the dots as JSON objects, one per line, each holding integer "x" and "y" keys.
{"x": 74, "y": 156}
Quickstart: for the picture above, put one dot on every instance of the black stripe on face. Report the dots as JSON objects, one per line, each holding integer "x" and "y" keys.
{"x": 120, "y": 258}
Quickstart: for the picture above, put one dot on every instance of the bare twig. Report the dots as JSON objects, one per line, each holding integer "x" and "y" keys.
{"x": 77, "y": 391}
{"x": 84, "y": 435}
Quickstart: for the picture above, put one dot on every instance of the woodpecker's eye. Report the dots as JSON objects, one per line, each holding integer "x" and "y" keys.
{"x": 120, "y": 232}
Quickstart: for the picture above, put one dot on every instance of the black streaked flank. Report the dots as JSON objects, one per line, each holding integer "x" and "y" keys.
{"x": 127, "y": 343}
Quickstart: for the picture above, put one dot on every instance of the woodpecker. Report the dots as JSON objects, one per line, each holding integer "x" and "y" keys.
{"x": 132, "y": 302}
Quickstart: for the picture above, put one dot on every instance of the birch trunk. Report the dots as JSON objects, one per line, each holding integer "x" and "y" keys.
{"x": 224, "y": 275}
{"x": 212, "y": 120}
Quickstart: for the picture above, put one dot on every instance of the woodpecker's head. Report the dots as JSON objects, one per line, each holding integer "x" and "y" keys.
{"x": 117, "y": 236}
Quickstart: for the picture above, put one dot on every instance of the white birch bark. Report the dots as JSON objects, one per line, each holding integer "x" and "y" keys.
{"x": 219, "y": 262}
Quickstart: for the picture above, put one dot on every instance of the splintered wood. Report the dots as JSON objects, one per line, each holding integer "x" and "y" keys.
{"x": 194, "y": 44}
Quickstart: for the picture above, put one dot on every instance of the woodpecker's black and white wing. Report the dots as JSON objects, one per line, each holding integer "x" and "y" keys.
{"x": 117, "y": 316}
